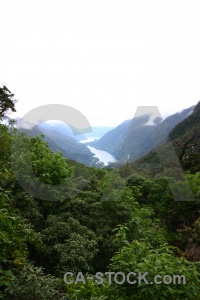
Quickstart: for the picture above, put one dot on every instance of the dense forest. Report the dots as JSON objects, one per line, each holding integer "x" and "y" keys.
{"x": 58, "y": 216}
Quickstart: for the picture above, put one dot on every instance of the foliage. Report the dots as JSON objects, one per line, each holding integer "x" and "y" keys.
{"x": 7, "y": 101}
{"x": 98, "y": 220}
{"x": 37, "y": 167}
{"x": 69, "y": 245}
{"x": 141, "y": 257}
{"x": 33, "y": 284}
{"x": 14, "y": 234}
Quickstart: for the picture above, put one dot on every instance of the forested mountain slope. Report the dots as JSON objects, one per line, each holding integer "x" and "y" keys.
{"x": 113, "y": 140}
{"x": 185, "y": 138}
{"x": 134, "y": 138}
{"x": 64, "y": 143}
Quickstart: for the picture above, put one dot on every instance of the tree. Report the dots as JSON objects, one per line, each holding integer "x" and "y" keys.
{"x": 162, "y": 261}
{"x": 7, "y": 101}
{"x": 15, "y": 234}
{"x": 184, "y": 147}
{"x": 33, "y": 284}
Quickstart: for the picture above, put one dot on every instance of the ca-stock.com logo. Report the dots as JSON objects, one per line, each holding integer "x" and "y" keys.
{"x": 22, "y": 164}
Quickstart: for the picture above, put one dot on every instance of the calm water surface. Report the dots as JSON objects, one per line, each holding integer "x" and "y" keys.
{"x": 103, "y": 156}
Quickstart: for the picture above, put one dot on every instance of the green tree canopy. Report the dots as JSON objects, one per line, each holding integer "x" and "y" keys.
{"x": 7, "y": 101}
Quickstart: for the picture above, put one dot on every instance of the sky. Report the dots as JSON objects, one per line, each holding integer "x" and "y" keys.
{"x": 103, "y": 58}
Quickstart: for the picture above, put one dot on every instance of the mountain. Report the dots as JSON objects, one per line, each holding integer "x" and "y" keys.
{"x": 185, "y": 139}
{"x": 191, "y": 125}
{"x": 60, "y": 139}
{"x": 98, "y": 131}
{"x": 62, "y": 128}
{"x": 134, "y": 138}
{"x": 112, "y": 141}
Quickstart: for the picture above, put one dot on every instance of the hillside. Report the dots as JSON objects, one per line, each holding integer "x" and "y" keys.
{"x": 191, "y": 125}
{"x": 66, "y": 144}
{"x": 134, "y": 138}
{"x": 112, "y": 141}
{"x": 183, "y": 136}
{"x": 60, "y": 128}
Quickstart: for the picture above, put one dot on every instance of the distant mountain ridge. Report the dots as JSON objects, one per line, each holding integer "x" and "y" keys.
{"x": 111, "y": 141}
{"x": 59, "y": 141}
{"x": 98, "y": 131}
{"x": 59, "y": 128}
{"x": 128, "y": 142}
{"x": 186, "y": 131}
{"x": 134, "y": 138}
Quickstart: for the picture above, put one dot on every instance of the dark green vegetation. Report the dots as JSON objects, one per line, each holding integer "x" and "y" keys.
{"x": 100, "y": 220}
{"x": 7, "y": 101}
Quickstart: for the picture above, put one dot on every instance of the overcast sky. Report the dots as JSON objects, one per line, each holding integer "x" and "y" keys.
{"x": 103, "y": 58}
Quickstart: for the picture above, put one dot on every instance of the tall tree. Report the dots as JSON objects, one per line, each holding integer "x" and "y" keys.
{"x": 7, "y": 101}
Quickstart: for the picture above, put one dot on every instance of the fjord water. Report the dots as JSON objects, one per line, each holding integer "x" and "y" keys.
{"x": 103, "y": 156}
